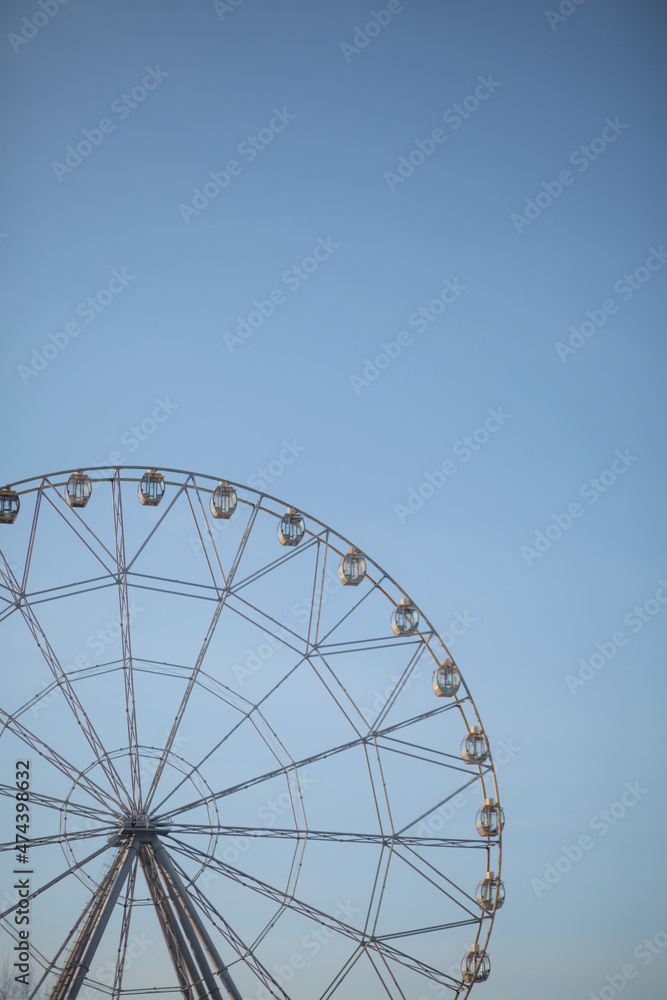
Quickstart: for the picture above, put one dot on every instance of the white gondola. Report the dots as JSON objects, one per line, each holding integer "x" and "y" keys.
{"x": 291, "y": 528}
{"x": 446, "y": 679}
{"x": 490, "y": 893}
{"x": 405, "y": 618}
{"x": 9, "y": 505}
{"x": 78, "y": 489}
{"x": 490, "y": 819}
{"x": 151, "y": 488}
{"x": 352, "y": 567}
{"x": 475, "y": 966}
{"x": 475, "y": 747}
{"x": 223, "y": 501}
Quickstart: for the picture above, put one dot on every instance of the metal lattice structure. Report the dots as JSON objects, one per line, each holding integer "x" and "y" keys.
{"x": 250, "y": 766}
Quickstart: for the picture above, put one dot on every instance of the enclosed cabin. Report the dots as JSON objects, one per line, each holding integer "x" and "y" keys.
{"x": 490, "y": 893}
{"x": 151, "y": 488}
{"x": 291, "y": 528}
{"x": 78, "y": 489}
{"x": 9, "y": 505}
{"x": 223, "y": 501}
{"x": 405, "y": 618}
{"x": 475, "y": 747}
{"x": 490, "y": 819}
{"x": 446, "y": 680}
{"x": 475, "y": 966}
{"x": 352, "y": 569}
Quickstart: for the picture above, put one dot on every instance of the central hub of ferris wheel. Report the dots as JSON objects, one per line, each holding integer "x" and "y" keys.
{"x": 141, "y": 823}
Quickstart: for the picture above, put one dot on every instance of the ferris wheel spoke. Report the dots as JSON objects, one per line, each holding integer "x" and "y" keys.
{"x": 31, "y": 539}
{"x": 280, "y": 560}
{"x": 70, "y": 524}
{"x": 428, "y": 757}
{"x": 381, "y": 820}
{"x": 64, "y": 683}
{"x": 184, "y": 701}
{"x": 256, "y": 507}
{"x": 441, "y": 875}
{"x": 330, "y": 682}
{"x": 50, "y": 802}
{"x": 304, "y": 762}
{"x": 399, "y": 686}
{"x": 375, "y": 586}
{"x": 126, "y": 643}
{"x": 432, "y": 753}
{"x": 200, "y": 658}
{"x": 473, "y": 914}
{"x": 305, "y": 909}
{"x": 85, "y": 528}
{"x": 53, "y": 757}
{"x": 57, "y": 838}
{"x": 248, "y": 950}
{"x": 210, "y": 537}
{"x": 247, "y": 715}
{"x": 343, "y": 973}
{"x": 261, "y": 623}
{"x": 157, "y": 524}
{"x": 472, "y": 780}
{"x": 389, "y": 974}
{"x": 307, "y": 833}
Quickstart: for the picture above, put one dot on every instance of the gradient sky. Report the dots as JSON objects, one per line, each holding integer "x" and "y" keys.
{"x": 523, "y": 216}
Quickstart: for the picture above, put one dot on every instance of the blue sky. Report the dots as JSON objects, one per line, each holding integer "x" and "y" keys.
{"x": 538, "y": 209}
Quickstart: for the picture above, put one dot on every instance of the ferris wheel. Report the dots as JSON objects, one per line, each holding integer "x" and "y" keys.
{"x": 238, "y": 760}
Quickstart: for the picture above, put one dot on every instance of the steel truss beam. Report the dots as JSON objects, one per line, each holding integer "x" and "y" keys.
{"x": 194, "y": 956}
{"x": 79, "y": 960}
{"x": 193, "y": 926}
{"x": 184, "y": 967}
